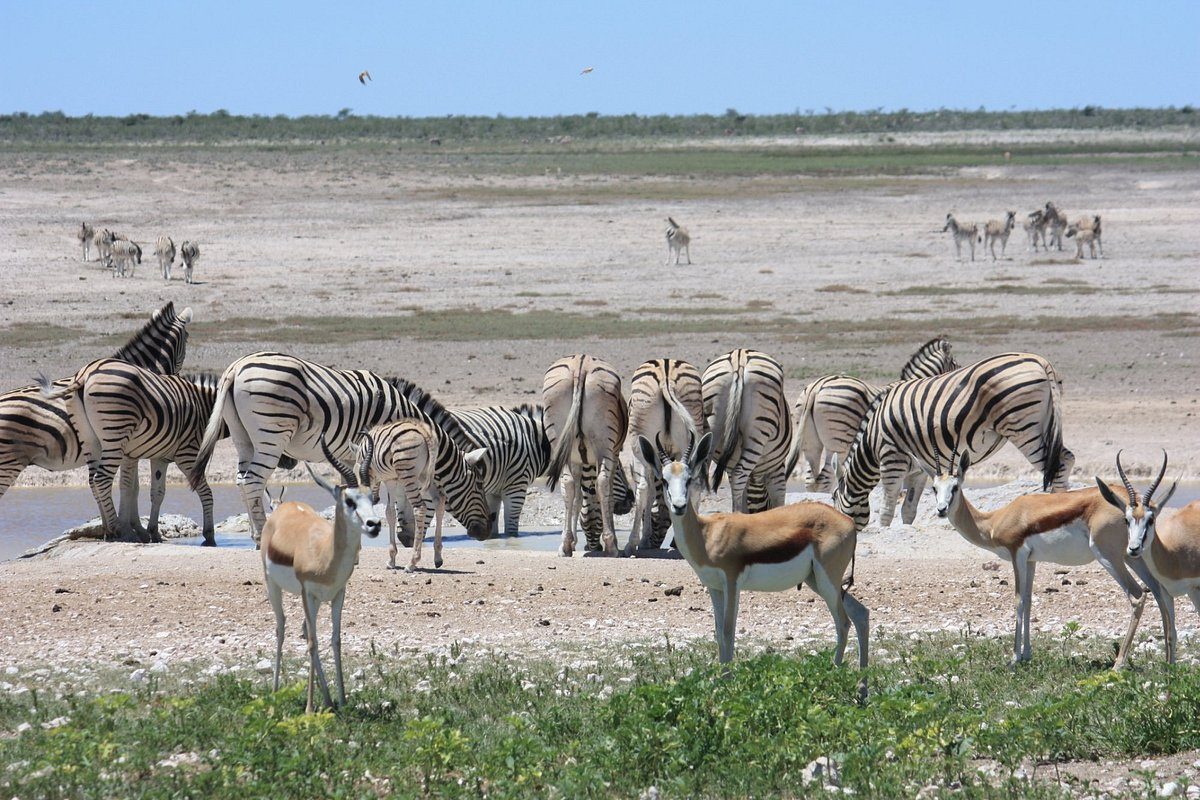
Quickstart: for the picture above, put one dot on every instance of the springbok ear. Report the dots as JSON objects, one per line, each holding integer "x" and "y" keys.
{"x": 1162, "y": 503}
{"x": 1108, "y": 495}
{"x": 702, "y": 451}
{"x": 649, "y": 455}
{"x": 476, "y": 456}
{"x": 964, "y": 463}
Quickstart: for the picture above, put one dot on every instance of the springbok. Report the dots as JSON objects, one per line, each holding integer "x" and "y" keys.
{"x": 962, "y": 233}
{"x": 1067, "y": 528}
{"x": 275, "y": 500}
{"x": 305, "y": 554}
{"x": 677, "y": 240}
{"x": 85, "y": 235}
{"x": 997, "y": 231}
{"x": 1169, "y": 548}
{"x": 771, "y": 551}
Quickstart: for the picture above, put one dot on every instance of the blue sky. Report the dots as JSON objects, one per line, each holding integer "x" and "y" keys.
{"x": 523, "y": 58}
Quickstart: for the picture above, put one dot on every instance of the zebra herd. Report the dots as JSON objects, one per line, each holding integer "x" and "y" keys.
{"x": 118, "y": 253}
{"x": 1046, "y": 226}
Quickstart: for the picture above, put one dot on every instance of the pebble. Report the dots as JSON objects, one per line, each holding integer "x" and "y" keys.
{"x": 1169, "y": 789}
{"x": 264, "y": 666}
{"x": 138, "y": 676}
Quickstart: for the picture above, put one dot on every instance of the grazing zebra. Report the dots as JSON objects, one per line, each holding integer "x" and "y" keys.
{"x": 998, "y": 231}
{"x": 85, "y": 234}
{"x": 124, "y": 412}
{"x": 747, "y": 412}
{"x": 165, "y": 251}
{"x": 831, "y": 408}
{"x": 277, "y": 404}
{"x": 666, "y": 405}
{"x": 920, "y": 423}
{"x": 37, "y": 431}
{"x": 189, "y": 253}
{"x": 586, "y": 421}
{"x": 421, "y": 465}
{"x": 962, "y": 233}
{"x": 124, "y": 254}
{"x": 1057, "y": 221}
{"x": 677, "y": 240}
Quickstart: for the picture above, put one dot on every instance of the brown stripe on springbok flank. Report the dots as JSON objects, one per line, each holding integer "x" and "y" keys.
{"x": 278, "y": 556}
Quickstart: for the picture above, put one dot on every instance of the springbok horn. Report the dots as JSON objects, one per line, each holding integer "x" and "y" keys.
{"x": 368, "y": 452}
{"x": 662, "y": 454}
{"x": 348, "y": 476}
{"x": 1133, "y": 501}
{"x": 1158, "y": 480}
{"x": 687, "y": 455}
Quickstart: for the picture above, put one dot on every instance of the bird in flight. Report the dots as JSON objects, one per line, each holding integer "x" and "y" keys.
{"x": 363, "y": 77}
{"x": 586, "y": 70}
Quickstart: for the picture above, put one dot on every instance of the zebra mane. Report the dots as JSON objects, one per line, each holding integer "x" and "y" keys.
{"x": 432, "y": 408}
{"x": 926, "y": 351}
{"x": 160, "y": 344}
{"x": 533, "y": 411}
{"x": 206, "y": 381}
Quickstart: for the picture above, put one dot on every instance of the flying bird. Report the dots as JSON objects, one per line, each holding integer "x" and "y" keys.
{"x": 363, "y": 77}
{"x": 586, "y": 70}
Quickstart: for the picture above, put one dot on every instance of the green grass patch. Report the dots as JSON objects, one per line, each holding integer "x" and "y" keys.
{"x": 494, "y": 726}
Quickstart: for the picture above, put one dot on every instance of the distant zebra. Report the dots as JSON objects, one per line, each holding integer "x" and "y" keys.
{"x": 102, "y": 240}
{"x": 919, "y": 423}
{"x": 586, "y": 421}
{"x": 1082, "y": 237}
{"x": 85, "y": 234}
{"x": 277, "y": 404}
{"x": 165, "y": 251}
{"x": 677, "y": 240}
{"x": 1057, "y": 222}
{"x": 421, "y": 467}
{"x": 996, "y": 231}
{"x": 124, "y": 412}
{"x": 747, "y": 412}
{"x": 37, "y": 431}
{"x": 831, "y": 408}
{"x": 962, "y": 233}
{"x": 1035, "y": 229}
{"x": 124, "y": 255}
{"x": 189, "y": 253}
{"x": 1092, "y": 226}
{"x": 666, "y": 405}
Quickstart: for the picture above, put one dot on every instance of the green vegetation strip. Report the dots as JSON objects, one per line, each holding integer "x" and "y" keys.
{"x": 491, "y": 726}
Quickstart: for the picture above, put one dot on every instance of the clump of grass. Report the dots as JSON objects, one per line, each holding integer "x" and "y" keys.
{"x": 842, "y": 288}
{"x": 489, "y": 725}
{"x": 40, "y": 334}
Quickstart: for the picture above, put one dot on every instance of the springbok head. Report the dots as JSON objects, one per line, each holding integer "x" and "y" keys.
{"x": 947, "y": 483}
{"x": 275, "y": 500}
{"x": 681, "y": 477}
{"x": 352, "y": 502}
{"x": 1140, "y": 512}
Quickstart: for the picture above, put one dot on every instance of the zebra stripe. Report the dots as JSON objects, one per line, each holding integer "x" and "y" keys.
{"x": 666, "y": 405}
{"x": 678, "y": 241}
{"x": 124, "y": 412}
{"x": 189, "y": 253}
{"x": 277, "y": 404}
{"x": 747, "y": 413}
{"x": 35, "y": 430}
{"x": 1013, "y": 396}
{"x": 831, "y": 408}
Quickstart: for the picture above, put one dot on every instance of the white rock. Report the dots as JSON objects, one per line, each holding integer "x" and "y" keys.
{"x": 24, "y": 726}
{"x": 138, "y": 676}
{"x": 180, "y": 760}
{"x": 264, "y": 666}
{"x": 159, "y": 666}
{"x": 11, "y": 671}
{"x": 57, "y": 722}
{"x": 1169, "y": 789}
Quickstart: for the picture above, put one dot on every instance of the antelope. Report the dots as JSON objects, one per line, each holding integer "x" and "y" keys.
{"x": 968, "y": 233}
{"x": 677, "y": 240}
{"x": 305, "y": 554}
{"x": 1169, "y": 548}
{"x": 85, "y": 234}
{"x": 275, "y": 500}
{"x": 771, "y": 551}
{"x": 165, "y": 251}
{"x": 998, "y": 231}
{"x": 1067, "y": 528}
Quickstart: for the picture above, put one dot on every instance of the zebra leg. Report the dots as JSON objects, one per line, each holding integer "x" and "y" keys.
{"x": 570, "y": 490}
{"x": 514, "y": 502}
{"x": 129, "y": 517}
{"x": 739, "y": 478}
{"x": 914, "y": 487}
{"x": 393, "y": 489}
{"x": 419, "y": 503}
{"x": 776, "y": 488}
{"x": 493, "y": 504}
{"x": 206, "y": 506}
{"x": 439, "y": 517}
{"x": 604, "y": 481}
{"x": 688, "y": 249}
{"x": 158, "y": 490}
{"x": 644, "y": 482}
{"x": 100, "y": 477}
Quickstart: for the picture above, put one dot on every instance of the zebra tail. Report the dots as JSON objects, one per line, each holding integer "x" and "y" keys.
{"x": 1052, "y": 441}
{"x": 685, "y": 416}
{"x": 732, "y": 430}
{"x": 805, "y": 406}
{"x": 566, "y": 437}
{"x": 50, "y": 393}
{"x": 212, "y": 431}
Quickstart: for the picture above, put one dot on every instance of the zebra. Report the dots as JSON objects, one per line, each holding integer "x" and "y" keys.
{"x": 85, "y": 234}
{"x": 831, "y": 408}
{"x": 1014, "y": 397}
{"x": 962, "y": 233}
{"x": 1035, "y": 228}
{"x": 586, "y": 422}
{"x": 38, "y": 431}
{"x": 124, "y": 255}
{"x": 666, "y": 405}
{"x": 1082, "y": 236}
{"x": 677, "y": 240}
{"x": 1087, "y": 225}
{"x": 747, "y": 412}
{"x": 102, "y": 240}
{"x": 418, "y": 455}
{"x": 125, "y": 412}
{"x": 277, "y": 404}
{"x": 996, "y": 231}
{"x": 165, "y": 251}
{"x": 1057, "y": 221}
{"x": 189, "y": 253}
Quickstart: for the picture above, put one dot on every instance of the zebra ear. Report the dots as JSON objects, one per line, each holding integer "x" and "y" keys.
{"x": 476, "y": 457}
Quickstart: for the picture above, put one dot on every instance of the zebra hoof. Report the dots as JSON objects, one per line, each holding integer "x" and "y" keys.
{"x": 437, "y": 564}
{"x": 209, "y": 541}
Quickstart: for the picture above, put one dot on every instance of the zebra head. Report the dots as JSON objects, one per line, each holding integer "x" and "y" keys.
{"x": 947, "y": 484}
{"x": 1141, "y": 511}
{"x": 682, "y": 478}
